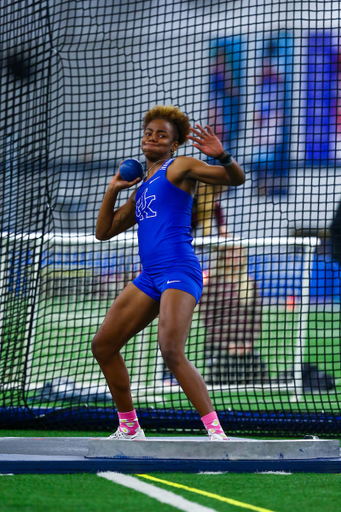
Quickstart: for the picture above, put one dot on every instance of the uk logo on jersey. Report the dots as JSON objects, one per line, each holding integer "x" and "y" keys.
{"x": 143, "y": 209}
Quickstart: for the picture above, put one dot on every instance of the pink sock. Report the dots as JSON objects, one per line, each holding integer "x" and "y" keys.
{"x": 129, "y": 422}
{"x": 212, "y": 424}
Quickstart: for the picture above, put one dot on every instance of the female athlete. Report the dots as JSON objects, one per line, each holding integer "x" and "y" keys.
{"x": 171, "y": 282}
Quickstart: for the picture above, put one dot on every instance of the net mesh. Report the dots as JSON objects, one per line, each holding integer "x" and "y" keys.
{"x": 76, "y": 80}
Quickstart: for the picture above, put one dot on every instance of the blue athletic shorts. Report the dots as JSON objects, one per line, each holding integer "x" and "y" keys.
{"x": 153, "y": 282}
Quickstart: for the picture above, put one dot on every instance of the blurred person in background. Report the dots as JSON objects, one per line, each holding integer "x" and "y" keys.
{"x": 207, "y": 212}
{"x": 230, "y": 308}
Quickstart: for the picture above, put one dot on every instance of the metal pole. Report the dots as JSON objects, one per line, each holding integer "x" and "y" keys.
{"x": 2, "y": 292}
{"x": 303, "y": 322}
{"x": 32, "y": 313}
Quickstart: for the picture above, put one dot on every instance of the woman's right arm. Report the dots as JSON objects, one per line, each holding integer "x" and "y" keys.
{"x": 111, "y": 222}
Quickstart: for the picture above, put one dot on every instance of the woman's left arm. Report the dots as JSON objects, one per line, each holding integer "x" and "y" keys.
{"x": 228, "y": 173}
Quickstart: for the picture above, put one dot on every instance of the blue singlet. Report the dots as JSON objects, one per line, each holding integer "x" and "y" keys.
{"x": 163, "y": 213}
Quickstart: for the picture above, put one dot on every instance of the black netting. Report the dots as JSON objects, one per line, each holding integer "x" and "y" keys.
{"x": 76, "y": 80}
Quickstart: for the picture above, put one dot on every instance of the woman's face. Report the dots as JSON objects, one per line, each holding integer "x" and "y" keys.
{"x": 158, "y": 139}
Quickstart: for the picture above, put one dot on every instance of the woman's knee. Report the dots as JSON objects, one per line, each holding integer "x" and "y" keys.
{"x": 102, "y": 349}
{"x": 96, "y": 347}
{"x": 172, "y": 356}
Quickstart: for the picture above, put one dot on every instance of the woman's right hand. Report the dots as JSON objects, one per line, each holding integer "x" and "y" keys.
{"x": 119, "y": 183}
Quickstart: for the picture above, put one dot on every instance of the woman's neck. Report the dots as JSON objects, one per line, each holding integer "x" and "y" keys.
{"x": 162, "y": 159}
{"x": 153, "y": 167}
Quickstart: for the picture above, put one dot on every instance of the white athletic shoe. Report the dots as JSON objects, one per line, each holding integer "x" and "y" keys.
{"x": 219, "y": 437}
{"x": 121, "y": 436}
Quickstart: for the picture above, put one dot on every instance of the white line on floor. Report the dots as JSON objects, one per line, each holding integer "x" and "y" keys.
{"x": 155, "y": 492}
{"x": 283, "y": 473}
{"x": 212, "y": 472}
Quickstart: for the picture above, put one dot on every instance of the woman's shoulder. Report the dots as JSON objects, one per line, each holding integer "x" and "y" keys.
{"x": 186, "y": 159}
{"x": 185, "y": 163}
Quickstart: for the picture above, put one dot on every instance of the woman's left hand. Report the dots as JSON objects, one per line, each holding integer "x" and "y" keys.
{"x": 206, "y": 141}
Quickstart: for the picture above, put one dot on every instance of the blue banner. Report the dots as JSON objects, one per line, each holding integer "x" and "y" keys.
{"x": 227, "y": 76}
{"x": 321, "y": 92}
{"x": 272, "y": 113}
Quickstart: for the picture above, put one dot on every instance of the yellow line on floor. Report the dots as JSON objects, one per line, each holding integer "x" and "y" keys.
{"x": 156, "y": 492}
{"x": 207, "y": 494}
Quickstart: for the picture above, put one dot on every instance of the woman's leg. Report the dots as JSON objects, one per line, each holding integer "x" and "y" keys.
{"x": 176, "y": 311}
{"x": 131, "y": 312}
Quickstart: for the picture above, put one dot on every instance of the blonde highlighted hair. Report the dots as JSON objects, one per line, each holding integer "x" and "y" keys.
{"x": 174, "y": 116}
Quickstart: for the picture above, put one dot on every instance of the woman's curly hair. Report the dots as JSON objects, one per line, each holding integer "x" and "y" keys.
{"x": 174, "y": 116}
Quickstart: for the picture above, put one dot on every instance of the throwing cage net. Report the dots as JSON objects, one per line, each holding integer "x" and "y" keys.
{"x": 76, "y": 80}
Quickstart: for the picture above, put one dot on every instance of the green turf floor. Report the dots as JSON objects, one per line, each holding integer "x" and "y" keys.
{"x": 64, "y": 330}
{"x": 61, "y": 348}
{"x": 71, "y": 493}
{"x": 89, "y": 493}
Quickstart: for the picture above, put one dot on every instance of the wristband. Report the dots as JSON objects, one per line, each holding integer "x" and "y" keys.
{"x": 225, "y": 158}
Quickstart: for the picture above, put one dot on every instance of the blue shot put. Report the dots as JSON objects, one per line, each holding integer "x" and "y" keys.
{"x": 131, "y": 169}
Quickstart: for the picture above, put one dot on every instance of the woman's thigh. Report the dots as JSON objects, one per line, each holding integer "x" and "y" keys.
{"x": 131, "y": 312}
{"x": 176, "y": 312}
